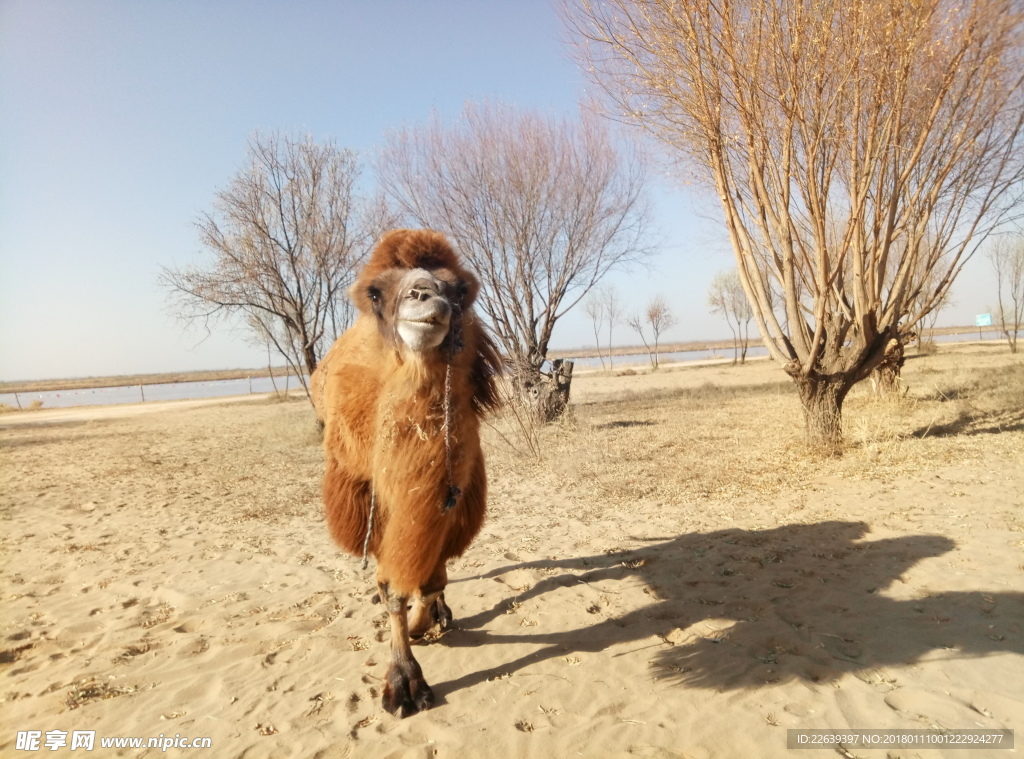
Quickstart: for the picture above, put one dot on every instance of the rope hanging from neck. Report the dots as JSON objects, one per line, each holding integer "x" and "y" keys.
{"x": 454, "y": 491}
{"x": 369, "y": 523}
{"x": 454, "y": 347}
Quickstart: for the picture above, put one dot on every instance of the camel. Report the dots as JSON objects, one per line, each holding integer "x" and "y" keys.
{"x": 400, "y": 395}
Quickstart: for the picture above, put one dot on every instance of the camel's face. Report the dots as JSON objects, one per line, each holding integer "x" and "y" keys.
{"x": 417, "y": 291}
{"x": 417, "y": 304}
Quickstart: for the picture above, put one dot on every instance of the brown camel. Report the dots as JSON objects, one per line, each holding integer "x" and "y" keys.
{"x": 400, "y": 395}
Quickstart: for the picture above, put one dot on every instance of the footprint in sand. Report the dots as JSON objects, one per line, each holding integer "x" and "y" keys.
{"x": 931, "y": 708}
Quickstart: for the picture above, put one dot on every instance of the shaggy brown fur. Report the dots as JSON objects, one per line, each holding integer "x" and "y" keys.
{"x": 382, "y": 406}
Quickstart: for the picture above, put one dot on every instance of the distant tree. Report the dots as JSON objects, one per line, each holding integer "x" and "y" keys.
{"x": 727, "y": 298}
{"x": 543, "y": 208}
{"x": 285, "y": 239}
{"x": 612, "y": 306}
{"x": 594, "y": 309}
{"x": 1007, "y": 256}
{"x": 897, "y": 125}
{"x": 660, "y": 318}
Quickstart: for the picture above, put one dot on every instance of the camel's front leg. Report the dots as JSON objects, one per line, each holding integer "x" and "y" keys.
{"x": 405, "y": 690}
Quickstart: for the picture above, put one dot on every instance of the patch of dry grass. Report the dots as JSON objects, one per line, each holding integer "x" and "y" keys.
{"x": 287, "y": 427}
{"x": 94, "y": 689}
{"x": 33, "y": 406}
{"x": 688, "y": 444}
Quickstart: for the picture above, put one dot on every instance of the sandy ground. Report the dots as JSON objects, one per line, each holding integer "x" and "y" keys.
{"x": 643, "y": 589}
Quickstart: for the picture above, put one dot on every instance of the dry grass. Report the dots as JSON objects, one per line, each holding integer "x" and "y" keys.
{"x": 94, "y": 689}
{"x": 672, "y": 437}
{"x": 33, "y": 406}
{"x": 689, "y": 444}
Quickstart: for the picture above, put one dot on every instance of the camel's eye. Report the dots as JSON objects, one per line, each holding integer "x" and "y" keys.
{"x": 374, "y": 294}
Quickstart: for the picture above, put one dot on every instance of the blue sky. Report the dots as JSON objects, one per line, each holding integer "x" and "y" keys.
{"x": 119, "y": 121}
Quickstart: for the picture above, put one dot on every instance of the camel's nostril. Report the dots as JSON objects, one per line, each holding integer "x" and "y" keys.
{"x": 418, "y": 294}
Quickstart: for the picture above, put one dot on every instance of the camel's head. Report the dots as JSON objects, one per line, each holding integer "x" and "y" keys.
{"x": 416, "y": 288}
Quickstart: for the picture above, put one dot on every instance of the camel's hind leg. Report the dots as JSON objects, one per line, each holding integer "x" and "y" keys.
{"x": 405, "y": 690}
{"x": 441, "y": 613}
{"x": 428, "y": 607}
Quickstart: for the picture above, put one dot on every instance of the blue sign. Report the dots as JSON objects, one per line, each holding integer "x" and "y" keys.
{"x": 983, "y": 320}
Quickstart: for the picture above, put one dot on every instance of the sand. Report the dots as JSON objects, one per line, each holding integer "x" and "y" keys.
{"x": 169, "y": 573}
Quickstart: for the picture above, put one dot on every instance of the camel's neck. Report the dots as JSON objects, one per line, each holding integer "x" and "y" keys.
{"x": 420, "y": 374}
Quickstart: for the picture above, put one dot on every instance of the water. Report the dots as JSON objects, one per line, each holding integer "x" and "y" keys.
{"x": 172, "y": 391}
{"x": 964, "y": 337}
{"x": 176, "y": 391}
{"x": 644, "y": 359}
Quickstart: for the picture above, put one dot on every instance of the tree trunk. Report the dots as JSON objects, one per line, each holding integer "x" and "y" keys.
{"x": 310, "y": 359}
{"x": 547, "y": 394}
{"x": 886, "y": 377}
{"x": 822, "y": 400}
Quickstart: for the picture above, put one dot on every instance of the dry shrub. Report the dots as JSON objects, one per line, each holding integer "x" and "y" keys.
{"x": 291, "y": 426}
{"x": 33, "y": 406}
{"x": 515, "y": 429}
{"x": 877, "y": 425}
{"x": 293, "y": 395}
{"x": 91, "y": 689}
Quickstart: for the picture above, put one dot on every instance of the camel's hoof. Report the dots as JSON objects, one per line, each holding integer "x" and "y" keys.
{"x": 404, "y": 697}
{"x": 441, "y": 613}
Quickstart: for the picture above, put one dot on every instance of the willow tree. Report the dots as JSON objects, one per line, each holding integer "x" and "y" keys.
{"x": 851, "y": 143}
{"x": 542, "y": 207}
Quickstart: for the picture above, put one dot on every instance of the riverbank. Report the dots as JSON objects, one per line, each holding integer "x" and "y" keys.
{"x": 279, "y": 372}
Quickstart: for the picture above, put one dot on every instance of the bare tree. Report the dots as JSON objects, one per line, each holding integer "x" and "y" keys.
{"x": 286, "y": 237}
{"x": 726, "y": 297}
{"x": 612, "y": 306}
{"x": 542, "y": 207}
{"x": 594, "y": 309}
{"x": 1007, "y": 256}
{"x": 888, "y": 122}
{"x": 660, "y": 318}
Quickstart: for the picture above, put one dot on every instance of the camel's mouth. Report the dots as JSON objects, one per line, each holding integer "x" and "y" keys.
{"x": 436, "y": 321}
{"x": 424, "y": 332}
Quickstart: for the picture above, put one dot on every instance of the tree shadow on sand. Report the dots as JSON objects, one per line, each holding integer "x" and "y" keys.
{"x": 798, "y": 602}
